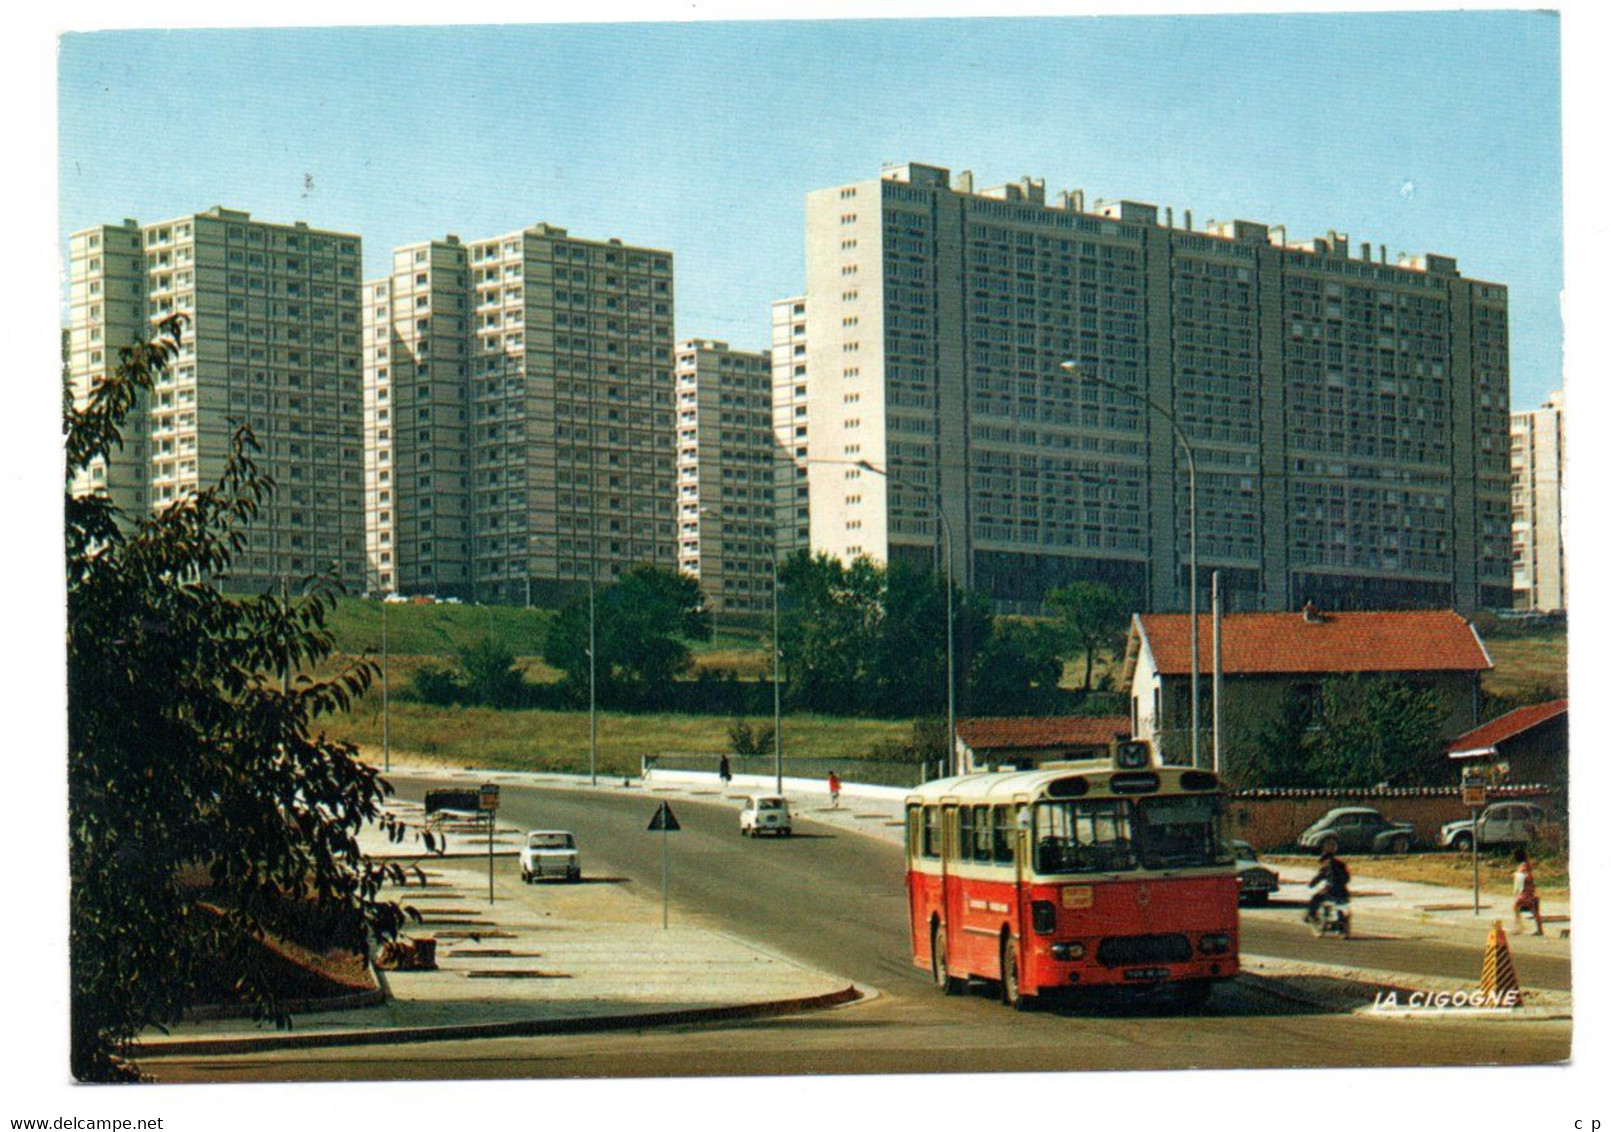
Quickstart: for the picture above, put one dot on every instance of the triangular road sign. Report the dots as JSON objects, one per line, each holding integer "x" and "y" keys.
{"x": 664, "y": 820}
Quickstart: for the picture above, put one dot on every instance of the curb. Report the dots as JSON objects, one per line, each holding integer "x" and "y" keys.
{"x": 262, "y": 1043}
{"x": 1387, "y": 981}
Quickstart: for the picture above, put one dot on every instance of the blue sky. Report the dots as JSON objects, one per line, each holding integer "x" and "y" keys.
{"x": 1424, "y": 131}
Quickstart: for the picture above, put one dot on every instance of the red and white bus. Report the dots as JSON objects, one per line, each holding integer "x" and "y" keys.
{"x": 1109, "y": 872}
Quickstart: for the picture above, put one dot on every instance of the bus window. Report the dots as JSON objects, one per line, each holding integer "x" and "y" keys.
{"x": 983, "y": 841}
{"x": 931, "y": 832}
{"x": 1083, "y": 837}
{"x": 1003, "y": 835}
{"x": 965, "y": 833}
{"x": 1181, "y": 832}
{"x": 914, "y": 830}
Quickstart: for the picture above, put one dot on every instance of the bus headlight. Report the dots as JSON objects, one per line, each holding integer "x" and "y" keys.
{"x": 1072, "y": 949}
{"x": 1215, "y": 944}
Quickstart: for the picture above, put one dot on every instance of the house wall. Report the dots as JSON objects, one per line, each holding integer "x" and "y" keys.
{"x": 1274, "y": 822}
{"x": 1252, "y": 703}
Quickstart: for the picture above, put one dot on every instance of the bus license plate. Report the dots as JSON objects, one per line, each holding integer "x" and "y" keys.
{"x": 1147, "y": 973}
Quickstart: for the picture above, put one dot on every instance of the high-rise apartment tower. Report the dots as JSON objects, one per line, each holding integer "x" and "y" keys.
{"x": 726, "y": 467}
{"x": 528, "y": 423}
{"x": 271, "y": 340}
{"x": 1348, "y": 416}
{"x": 1537, "y": 461}
{"x": 791, "y": 425}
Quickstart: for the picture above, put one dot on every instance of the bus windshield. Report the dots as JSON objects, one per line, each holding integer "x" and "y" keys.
{"x": 1110, "y": 835}
{"x": 1083, "y": 837}
{"x": 1181, "y": 832}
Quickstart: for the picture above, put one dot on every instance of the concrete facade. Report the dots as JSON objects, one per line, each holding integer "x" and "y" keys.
{"x": 726, "y": 468}
{"x": 272, "y": 341}
{"x": 791, "y": 425}
{"x": 1348, "y": 415}
{"x": 568, "y": 446}
{"x": 1537, "y": 471}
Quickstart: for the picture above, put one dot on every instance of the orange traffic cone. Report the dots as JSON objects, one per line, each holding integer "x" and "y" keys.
{"x": 1499, "y": 984}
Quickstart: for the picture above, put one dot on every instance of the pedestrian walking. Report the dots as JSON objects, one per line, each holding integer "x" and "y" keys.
{"x": 833, "y": 788}
{"x": 1526, "y": 894}
{"x": 724, "y": 770}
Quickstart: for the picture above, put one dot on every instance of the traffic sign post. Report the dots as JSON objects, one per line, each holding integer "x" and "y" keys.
{"x": 1474, "y": 793}
{"x": 487, "y": 802}
{"x": 666, "y": 822}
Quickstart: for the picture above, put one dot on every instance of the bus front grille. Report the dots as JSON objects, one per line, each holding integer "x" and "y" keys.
{"x": 1124, "y": 950}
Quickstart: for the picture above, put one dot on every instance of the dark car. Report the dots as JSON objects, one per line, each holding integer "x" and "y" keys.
{"x": 1254, "y": 882}
{"x": 1357, "y": 829}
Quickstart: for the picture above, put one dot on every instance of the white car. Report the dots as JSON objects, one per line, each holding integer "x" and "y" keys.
{"x": 549, "y": 853}
{"x": 765, "y": 813}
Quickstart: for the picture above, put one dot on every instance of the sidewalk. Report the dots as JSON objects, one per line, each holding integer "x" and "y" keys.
{"x": 544, "y": 958}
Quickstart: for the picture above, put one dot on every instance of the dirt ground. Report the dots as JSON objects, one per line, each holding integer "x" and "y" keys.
{"x": 1453, "y": 869}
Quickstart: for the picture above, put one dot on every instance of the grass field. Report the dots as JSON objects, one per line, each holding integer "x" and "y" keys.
{"x": 1452, "y": 869}
{"x": 1525, "y": 659}
{"x": 558, "y": 740}
{"x": 436, "y": 630}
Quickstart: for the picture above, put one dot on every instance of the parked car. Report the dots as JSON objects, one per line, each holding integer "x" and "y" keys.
{"x": 1504, "y": 823}
{"x": 1357, "y": 829}
{"x": 550, "y": 853}
{"x": 765, "y": 813}
{"x": 1255, "y": 883}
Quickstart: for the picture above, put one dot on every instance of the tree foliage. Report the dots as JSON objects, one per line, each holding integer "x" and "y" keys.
{"x": 205, "y": 808}
{"x": 863, "y": 639}
{"x": 1362, "y": 731}
{"x": 643, "y": 624}
{"x": 1093, "y": 618}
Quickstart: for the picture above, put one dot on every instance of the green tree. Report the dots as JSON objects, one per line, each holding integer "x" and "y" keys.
{"x": 1377, "y": 729}
{"x": 1278, "y": 753}
{"x": 205, "y": 808}
{"x": 1093, "y": 616}
{"x": 830, "y": 615}
{"x": 643, "y": 624}
{"x": 490, "y": 675}
{"x": 1017, "y": 671}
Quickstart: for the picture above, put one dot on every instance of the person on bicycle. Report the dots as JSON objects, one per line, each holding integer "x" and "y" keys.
{"x": 1333, "y": 881}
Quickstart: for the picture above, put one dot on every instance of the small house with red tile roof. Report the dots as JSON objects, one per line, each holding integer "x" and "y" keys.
{"x": 1023, "y": 744}
{"x": 1526, "y": 746}
{"x": 1267, "y": 659}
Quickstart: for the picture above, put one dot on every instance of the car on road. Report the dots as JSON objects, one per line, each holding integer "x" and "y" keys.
{"x": 1255, "y": 883}
{"x": 1504, "y": 823}
{"x": 765, "y": 813}
{"x": 1357, "y": 829}
{"x": 550, "y": 853}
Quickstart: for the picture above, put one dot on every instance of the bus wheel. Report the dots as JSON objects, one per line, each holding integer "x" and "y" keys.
{"x": 942, "y": 972}
{"x": 1011, "y": 992}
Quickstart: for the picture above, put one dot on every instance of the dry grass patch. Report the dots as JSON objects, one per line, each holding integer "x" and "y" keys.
{"x": 1451, "y": 869}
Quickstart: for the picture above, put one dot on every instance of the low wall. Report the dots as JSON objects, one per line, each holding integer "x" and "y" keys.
{"x": 1273, "y": 819}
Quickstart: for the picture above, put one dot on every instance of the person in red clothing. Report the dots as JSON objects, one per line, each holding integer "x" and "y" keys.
{"x": 1526, "y": 894}
{"x": 833, "y": 788}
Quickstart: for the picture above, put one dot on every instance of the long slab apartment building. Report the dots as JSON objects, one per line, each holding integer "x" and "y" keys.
{"x": 1348, "y": 415}
{"x": 518, "y": 416}
{"x": 271, "y": 340}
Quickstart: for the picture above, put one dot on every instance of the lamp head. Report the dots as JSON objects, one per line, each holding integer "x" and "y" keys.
{"x": 1071, "y": 366}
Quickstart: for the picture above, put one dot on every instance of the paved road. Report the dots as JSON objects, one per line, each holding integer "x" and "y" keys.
{"x": 835, "y": 901}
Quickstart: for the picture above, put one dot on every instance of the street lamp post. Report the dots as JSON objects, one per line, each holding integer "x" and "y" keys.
{"x": 777, "y": 687}
{"x": 950, "y": 612}
{"x": 1074, "y": 369}
{"x": 385, "y": 692}
{"x": 592, "y": 650}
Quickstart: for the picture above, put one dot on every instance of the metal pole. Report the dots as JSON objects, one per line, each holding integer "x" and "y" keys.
{"x": 777, "y": 687}
{"x": 1196, "y": 662}
{"x": 592, "y": 686}
{"x": 1218, "y": 667}
{"x": 665, "y": 877}
{"x": 285, "y": 611}
{"x": 385, "y": 694}
{"x": 1074, "y": 369}
{"x": 1476, "y": 879}
{"x": 950, "y": 647}
{"x": 491, "y": 817}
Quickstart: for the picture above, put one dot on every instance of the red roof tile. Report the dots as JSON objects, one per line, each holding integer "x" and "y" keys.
{"x": 1055, "y": 731}
{"x": 1507, "y": 726}
{"x": 1272, "y": 643}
